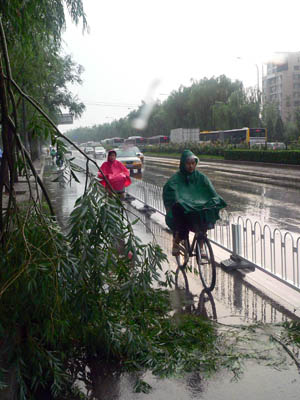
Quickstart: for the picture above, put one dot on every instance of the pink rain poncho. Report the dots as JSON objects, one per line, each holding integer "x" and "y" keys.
{"x": 116, "y": 173}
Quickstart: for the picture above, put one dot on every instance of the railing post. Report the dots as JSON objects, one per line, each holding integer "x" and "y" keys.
{"x": 235, "y": 261}
{"x": 145, "y": 195}
{"x": 236, "y": 239}
{"x": 147, "y": 208}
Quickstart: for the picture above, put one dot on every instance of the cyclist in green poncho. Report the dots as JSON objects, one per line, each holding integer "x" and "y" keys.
{"x": 190, "y": 200}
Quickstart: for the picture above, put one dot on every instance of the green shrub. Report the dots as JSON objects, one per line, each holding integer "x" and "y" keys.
{"x": 196, "y": 148}
{"x": 266, "y": 156}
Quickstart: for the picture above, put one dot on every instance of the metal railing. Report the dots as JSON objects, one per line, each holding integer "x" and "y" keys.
{"x": 238, "y": 296}
{"x": 272, "y": 251}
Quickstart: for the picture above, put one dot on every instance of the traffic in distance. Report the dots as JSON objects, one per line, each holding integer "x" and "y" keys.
{"x": 129, "y": 155}
{"x": 249, "y": 136}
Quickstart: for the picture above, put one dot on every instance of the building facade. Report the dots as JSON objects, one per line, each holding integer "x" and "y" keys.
{"x": 281, "y": 84}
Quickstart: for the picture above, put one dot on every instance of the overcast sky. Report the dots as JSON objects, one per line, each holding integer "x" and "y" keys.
{"x": 133, "y": 43}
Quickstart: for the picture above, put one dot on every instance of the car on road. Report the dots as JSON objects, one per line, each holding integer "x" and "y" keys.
{"x": 128, "y": 157}
{"x": 137, "y": 151}
{"x": 276, "y": 146}
{"x": 100, "y": 152}
{"x": 89, "y": 150}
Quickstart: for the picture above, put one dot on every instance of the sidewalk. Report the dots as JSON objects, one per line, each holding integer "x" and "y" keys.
{"x": 21, "y": 187}
{"x": 277, "y": 291}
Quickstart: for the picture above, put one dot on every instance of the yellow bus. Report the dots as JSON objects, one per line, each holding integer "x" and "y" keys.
{"x": 251, "y": 136}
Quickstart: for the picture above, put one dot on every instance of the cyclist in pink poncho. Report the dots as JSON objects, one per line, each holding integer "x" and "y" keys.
{"x": 116, "y": 173}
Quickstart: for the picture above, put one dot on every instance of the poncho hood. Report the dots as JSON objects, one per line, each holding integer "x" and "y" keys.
{"x": 108, "y": 154}
{"x": 184, "y": 156}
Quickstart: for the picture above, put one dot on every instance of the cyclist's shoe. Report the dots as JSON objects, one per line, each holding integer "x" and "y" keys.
{"x": 176, "y": 248}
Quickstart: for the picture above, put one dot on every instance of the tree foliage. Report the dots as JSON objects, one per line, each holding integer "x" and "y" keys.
{"x": 30, "y": 21}
{"x": 209, "y": 104}
{"x": 30, "y": 38}
{"x": 33, "y": 36}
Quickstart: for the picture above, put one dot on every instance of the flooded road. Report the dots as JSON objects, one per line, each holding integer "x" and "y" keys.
{"x": 234, "y": 302}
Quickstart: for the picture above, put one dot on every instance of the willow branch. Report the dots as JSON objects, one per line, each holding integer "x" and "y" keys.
{"x": 288, "y": 351}
{"x": 38, "y": 179}
{"x": 5, "y": 51}
{"x": 59, "y": 134}
{"x": 86, "y": 176}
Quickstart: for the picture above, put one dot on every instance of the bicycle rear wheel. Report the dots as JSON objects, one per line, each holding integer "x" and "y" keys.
{"x": 181, "y": 280}
{"x": 206, "y": 263}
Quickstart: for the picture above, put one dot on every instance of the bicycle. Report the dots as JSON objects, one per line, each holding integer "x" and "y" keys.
{"x": 202, "y": 250}
{"x": 59, "y": 161}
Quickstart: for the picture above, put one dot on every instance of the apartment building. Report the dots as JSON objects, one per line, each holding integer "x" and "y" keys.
{"x": 281, "y": 84}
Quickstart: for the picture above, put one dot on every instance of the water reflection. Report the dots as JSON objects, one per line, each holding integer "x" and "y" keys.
{"x": 236, "y": 301}
{"x": 202, "y": 305}
{"x": 207, "y": 306}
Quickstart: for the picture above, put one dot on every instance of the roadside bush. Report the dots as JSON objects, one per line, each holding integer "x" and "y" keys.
{"x": 266, "y": 156}
{"x": 178, "y": 148}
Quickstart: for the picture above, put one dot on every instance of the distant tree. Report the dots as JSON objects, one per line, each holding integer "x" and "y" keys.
{"x": 279, "y": 130}
{"x": 215, "y": 103}
{"x": 292, "y": 132}
{"x": 297, "y": 121}
{"x": 270, "y": 115}
{"x": 221, "y": 117}
{"x": 270, "y": 130}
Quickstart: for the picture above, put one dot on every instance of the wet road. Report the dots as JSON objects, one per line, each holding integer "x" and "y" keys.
{"x": 265, "y": 194}
{"x": 233, "y": 302}
{"x": 248, "y": 191}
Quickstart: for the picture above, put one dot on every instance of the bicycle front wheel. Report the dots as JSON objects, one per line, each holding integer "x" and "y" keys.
{"x": 206, "y": 263}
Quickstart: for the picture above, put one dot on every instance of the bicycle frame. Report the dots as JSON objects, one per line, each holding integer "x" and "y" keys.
{"x": 191, "y": 247}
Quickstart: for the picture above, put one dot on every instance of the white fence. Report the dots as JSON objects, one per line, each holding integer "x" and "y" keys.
{"x": 273, "y": 251}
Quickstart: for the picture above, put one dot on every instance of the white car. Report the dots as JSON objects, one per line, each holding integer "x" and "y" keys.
{"x": 137, "y": 151}
{"x": 276, "y": 146}
{"x": 89, "y": 150}
{"x": 139, "y": 154}
{"x": 100, "y": 152}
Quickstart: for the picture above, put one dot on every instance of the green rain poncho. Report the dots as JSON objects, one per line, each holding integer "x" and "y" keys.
{"x": 193, "y": 191}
